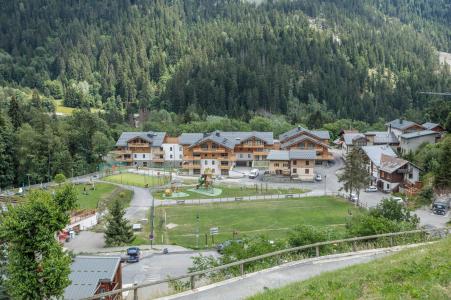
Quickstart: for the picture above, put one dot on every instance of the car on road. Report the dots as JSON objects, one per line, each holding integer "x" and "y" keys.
{"x": 399, "y": 200}
{"x": 371, "y": 188}
{"x": 254, "y": 173}
{"x": 133, "y": 254}
{"x": 318, "y": 177}
{"x": 440, "y": 207}
{"x": 352, "y": 197}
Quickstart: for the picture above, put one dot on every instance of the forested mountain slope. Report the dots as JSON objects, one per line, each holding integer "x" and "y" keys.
{"x": 360, "y": 59}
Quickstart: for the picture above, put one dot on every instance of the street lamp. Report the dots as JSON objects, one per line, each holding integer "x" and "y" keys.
{"x": 325, "y": 184}
{"x": 28, "y": 176}
{"x": 152, "y": 217}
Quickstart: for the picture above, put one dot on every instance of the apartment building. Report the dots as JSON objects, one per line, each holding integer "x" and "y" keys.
{"x": 298, "y": 164}
{"x": 220, "y": 151}
{"x": 305, "y": 139}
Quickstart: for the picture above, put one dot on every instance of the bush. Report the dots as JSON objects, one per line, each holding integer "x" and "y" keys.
{"x": 59, "y": 178}
{"x": 395, "y": 211}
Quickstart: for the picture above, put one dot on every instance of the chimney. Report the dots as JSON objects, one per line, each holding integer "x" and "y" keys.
{"x": 205, "y": 134}
{"x": 299, "y": 127}
{"x": 401, "y": 120}
{"x": 217, "y": 133}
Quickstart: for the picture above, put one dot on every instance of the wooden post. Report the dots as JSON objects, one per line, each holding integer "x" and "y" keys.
{"x": 317, "y": 250}
{"x": 192, "y": 282}
{"x": 391, "y": 241}
{"x": 135, "y": 291}
{"x": 354, "y": 246}
{"x": 242, "y": 269}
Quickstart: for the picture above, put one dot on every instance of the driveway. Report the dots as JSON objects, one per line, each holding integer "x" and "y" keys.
{"x": 428, "y": 218}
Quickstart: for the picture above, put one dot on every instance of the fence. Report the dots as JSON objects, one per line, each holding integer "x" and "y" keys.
{"x": 192, "y": 276}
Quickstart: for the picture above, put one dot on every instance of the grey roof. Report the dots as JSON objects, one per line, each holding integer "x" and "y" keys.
{"x": 321, "y": 134}
{"x": 86, "y": 271}
{"x": 429, "y": 125}
{"x": 278, "y": 155}
{"x": 383, "y": 137}
{"x": 190, "y": 138}
{"x": 400, "y": 124}
{"x": 390, "y": 164}
{"x": 349, "y": 138}
{"x": 374, "y": 153}
{"x": 291, "y": 154}
{"x": 416, "y": 134}
{"x": 155, "y": 138}
{"x": 300, "y": 139}
{"x": 232, "y": 137}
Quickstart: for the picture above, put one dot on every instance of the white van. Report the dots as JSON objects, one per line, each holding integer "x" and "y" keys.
{"x": 254, "y": 173}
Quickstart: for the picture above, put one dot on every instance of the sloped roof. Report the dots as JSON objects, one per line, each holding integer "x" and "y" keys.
{"x": 429, "y": 125}
{"x": 390, "y": 164}
{"x": 217, "y": 139}
{"x": 301, "y": 138}
{"x": 155, "y": 138}
{"x": 190, "y": 138}
{"x": 401, "y": 124}
{"x": 321, "y": 134}
{"x": 416, "y": 134}
{"x": 383, "y": 137}
{"x": 86, "y": 271}
{"x": 349, "y": 138}
{"x": 291, "y": 154}
{"x": 233, "y": 137}
{"x": 374, "y": 153}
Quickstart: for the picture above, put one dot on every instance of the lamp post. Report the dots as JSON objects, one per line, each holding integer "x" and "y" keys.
{"x": 325, "y": 184}
{"x": 152, "y": 217}
{"x": 28, "y": 176}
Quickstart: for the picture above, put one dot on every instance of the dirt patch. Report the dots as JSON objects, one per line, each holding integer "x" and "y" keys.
{"x": 171, "y": 225}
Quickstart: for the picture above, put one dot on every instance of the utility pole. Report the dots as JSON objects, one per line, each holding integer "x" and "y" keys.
{"x": 152, "y": 217}
{"x": 197, "y": 231}
{"x": 28, "y": 176}
{"x": 325, "y": 184}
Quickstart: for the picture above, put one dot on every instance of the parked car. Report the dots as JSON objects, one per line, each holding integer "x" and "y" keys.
{"x": 399, "y": 200}
{"x": 353, "y": 197}
{"x": 371, "y": 188}
{"x": 440, "y": 207}
{"x": 318, "y": 177}
{"x": 254, "y": 173}
{"x": 133, "y": 254}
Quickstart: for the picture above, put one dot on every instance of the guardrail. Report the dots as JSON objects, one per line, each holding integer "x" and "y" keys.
{"x": 241, "y": 263}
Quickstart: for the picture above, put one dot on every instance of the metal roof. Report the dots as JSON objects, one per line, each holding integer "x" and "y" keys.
{"x": 240, "y": 136}
{"x": 300, "y": 139}
{"x": 291, "y": 154}
{"x": 416, "y": 134}
{"x": 321, "y": 134}
{"x": 216, "y": 138}
{"x": 349, "y": 138}
{"x": 86, "y": 271}
{"x": 429, "y": 125}
{"x": 390, "y": 164}
{"x": 400, "y": 124}
{"x": 374, "y": 153}
{"x": 155, "y": 138}
{"x": 383, "y": 137}
{"x": 190, "y": 138}
{"x": 233, "y": 138}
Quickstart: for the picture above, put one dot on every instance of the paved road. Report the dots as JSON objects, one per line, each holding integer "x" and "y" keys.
{"x": 251, "y": 284}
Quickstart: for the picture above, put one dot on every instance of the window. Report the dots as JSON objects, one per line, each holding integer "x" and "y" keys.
{"x": 295, "y": 171}
{"x": 307, "y": 162}
{"x": 307, "y": 171}
{"x": 388, "y": 186}
{"x": 276, "y": 165}
{"x": 206, "y": 162}
{"x": 170, "y": 148}
{"x": 180, "y": 149}
{"x": 294, "y": 162}
{"x": 241, "y": 155}
{"x": 144, "y": 156}
{"x": 212, "y": 162}
{"x": 410, "y": 175}
{"x": 170, "y": 156}
{"x": 249, "y": 155}
{"x": 135, "y": 156}
{"x": 180, "y": 156}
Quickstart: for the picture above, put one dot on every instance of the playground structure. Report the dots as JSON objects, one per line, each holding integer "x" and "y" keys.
{"x": 205, "y": 180}
{"x": 169, "y": 192}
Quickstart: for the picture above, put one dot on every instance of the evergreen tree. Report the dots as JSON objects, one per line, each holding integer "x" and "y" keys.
{"x": 442, "y": 178}
{"x": 118, "y": 231}
{"x": 15, "y": 112}
{"x": 355, "y": 176}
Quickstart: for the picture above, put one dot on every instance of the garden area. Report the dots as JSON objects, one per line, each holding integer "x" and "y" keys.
{"x": 272, "y": 218}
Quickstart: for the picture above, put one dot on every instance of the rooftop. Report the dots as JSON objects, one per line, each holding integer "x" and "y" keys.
{"x": 155, "y": 138}
{"x": 349, "y": 138}
{"x": 300, "y": 139}
{"x": 390, "y": 164}
{"x": 374, "y": 153}
{"x": 429, "y": 125}
{"x": 86, "y": 272}
{"x": 291, "y": 154}
{"x": 226, "y": 138}
{"x": 400, "y": 124}
{"x": 383, "y": 137}
{"x": 417, "y": 134}
{"x": 320, "y": 134}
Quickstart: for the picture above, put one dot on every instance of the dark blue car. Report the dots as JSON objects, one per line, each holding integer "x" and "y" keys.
{"x": 133, "y": 254}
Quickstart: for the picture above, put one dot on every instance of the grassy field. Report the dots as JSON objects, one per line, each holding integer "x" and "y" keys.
{"x": 90, "y": 198}
{"x": 422, "y": 273}
{"x": 232, "y": 191}
{"x": 60, "y": 108}
{"x": 273, "y": 218}
{"x": 136, "y": 179}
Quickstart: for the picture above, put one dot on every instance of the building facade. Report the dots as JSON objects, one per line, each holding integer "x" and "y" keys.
{"x": 410, "y": 142}
{"x": 141, "y": 149}
{"x": 298, "y": 164}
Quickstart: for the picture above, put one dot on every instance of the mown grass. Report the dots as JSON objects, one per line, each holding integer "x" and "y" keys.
{"x": 420, "y": 273}
{"x": 89, "y": 198}
{"x": 137, "y": 179}
{"x": 60, "y": 108}
{"x": 231, "y": 191}
{"x": 274, "y": 218}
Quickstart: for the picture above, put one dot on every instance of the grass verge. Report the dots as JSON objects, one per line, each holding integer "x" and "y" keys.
{"x": 137, "y": 179}
{"x": 420, "y": 273}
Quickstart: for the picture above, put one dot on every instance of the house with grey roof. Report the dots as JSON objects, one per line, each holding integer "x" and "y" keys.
{"x": 373, "y": 155}
{"x": 297, "y": 163}
{"x": 433, "y": 126}
{"x": 305, "y": 139}
{"x": 401, "y": 126}
{"x": 397, "y": 174}
{"x": 381, "y": 138}
{"x": 92, "y": 275}
{"x": 352, "y": 141}
{"x": 410, "y": 142}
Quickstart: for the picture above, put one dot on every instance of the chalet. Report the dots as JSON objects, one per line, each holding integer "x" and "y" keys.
{"x": 92, "y": 275}
{"x": 220, "y": 151}
{"x": 351, "y": 141}
{"x": 298, "y": 164}
{"x": 142, "y": 149}
{"x": 305, "y": 139}
{"x": 396, "y": 173}
{"x": 401, "y": 126}
{"x": 373, "y": 155}
{"x": 410, "y": 142}
{"x": 381, "y": 138}
{"x": 433, "y": 126}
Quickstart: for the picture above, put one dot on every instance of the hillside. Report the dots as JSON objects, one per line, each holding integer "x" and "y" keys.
{"x": 353, "y": 59}
{"x": 419, "y": 273}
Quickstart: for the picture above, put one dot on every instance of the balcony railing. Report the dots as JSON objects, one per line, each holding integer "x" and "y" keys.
{"x": 138, "y": 145}
{"x": 209, "y": 150}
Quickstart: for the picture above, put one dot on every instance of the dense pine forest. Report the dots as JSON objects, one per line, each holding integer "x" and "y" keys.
{"x": 198, "y": 65}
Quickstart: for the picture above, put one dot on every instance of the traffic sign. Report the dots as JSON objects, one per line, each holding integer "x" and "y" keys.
{"x": 214, "y": 230}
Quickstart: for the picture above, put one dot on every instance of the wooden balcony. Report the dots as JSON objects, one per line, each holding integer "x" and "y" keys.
{"x": 138, "y": 145}
{"x": 158, "y": 159}
{"x": 224, "y": 167}
{"x": 208, "y": 150}
{"x": 123, "y": 159}
{"x": 157, "y": 152}
{"x": 121, "y": 151}
{"x": 261, "y": 153}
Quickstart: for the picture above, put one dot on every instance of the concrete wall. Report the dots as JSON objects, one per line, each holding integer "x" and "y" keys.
{"x": 411, "y": 145}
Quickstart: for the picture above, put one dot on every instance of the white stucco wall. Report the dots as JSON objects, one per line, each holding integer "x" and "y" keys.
{"x": 210, "y": 163}
{"x": 411, "y": 145}
{"x": 172, "y": 152}
{"x": 141, "y": 156}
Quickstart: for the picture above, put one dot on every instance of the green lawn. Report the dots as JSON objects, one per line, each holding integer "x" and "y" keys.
{"x": 60, "y": 108}
{"x": 273, "y": 218}
{"x": 422, "y": 273}
{"x": 137, "y": 179}
{"x": 232, "y": 191}
{"x": 90, "y": 198}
